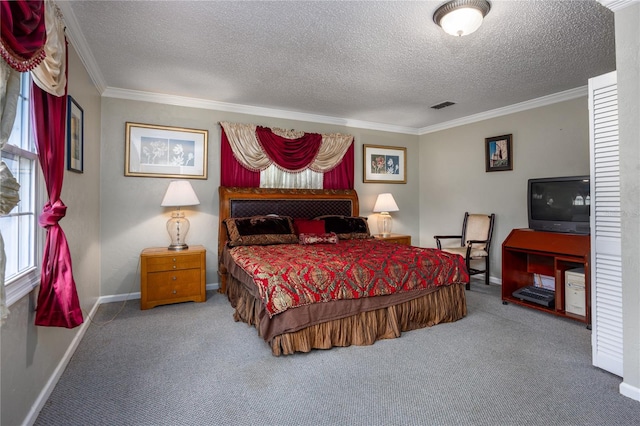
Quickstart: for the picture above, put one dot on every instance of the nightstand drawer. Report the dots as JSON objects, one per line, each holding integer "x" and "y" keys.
{"x": 177, "y": 262}
{"x": 165, "y": 286}
{"x": 395, "y": 238}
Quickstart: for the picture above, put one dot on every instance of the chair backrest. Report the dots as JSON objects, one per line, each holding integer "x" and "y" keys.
{"x": 478, "y": 227}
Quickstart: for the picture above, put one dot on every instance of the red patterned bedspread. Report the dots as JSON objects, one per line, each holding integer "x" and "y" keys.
{"x": 290, "y": 275}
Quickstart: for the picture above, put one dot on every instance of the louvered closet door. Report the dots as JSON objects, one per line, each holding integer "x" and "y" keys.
{"x": 606, "y": 258}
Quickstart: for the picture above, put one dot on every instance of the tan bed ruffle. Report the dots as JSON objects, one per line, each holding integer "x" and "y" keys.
{"x": 446, "y": 304}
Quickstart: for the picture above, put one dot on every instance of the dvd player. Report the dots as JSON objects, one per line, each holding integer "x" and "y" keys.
{"x": 538, "y": 295}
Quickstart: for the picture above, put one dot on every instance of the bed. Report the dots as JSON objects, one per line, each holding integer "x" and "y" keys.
{"x": 301, "y": 297}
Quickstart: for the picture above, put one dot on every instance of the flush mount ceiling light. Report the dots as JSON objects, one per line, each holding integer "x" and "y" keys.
{"x": 461, "y": 17}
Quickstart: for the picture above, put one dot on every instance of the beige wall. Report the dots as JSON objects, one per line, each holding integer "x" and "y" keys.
{"x": 30, "y": 355}
{"x": 547, "y": 141}
{"x": 131, "y": 217}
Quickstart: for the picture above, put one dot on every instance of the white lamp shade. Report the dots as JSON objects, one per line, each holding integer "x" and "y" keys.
{"x": 462, "y": 21}
{"x": 180, "y": 193}
{"x": 461, "y": 17}
{"x": 385, "y": 203}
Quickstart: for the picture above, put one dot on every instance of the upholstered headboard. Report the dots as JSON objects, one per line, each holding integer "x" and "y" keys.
{"x": 297, "y": 203}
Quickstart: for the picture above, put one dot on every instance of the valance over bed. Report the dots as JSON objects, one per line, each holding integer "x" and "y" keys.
{"x": 248, "y": 149}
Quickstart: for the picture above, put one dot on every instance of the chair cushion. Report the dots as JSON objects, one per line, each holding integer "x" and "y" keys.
{"x": 462, "y": 251}
{"x": 478, "y": 229}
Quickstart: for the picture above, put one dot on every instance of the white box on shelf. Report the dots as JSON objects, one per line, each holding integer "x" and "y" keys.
{"x": 574, "y": 294}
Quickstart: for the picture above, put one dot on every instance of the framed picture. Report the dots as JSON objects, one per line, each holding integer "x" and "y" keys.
{"x": 75, "y": 136}
{"x": 498, "y": 153}
{"x": 166, "y": 152}
{"x": 384, "y": 164}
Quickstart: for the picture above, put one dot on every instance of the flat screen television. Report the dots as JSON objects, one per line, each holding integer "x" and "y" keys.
{"x": 559, "y": 204}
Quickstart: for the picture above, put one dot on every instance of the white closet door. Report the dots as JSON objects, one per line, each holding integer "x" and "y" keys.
{"x": 606, "y": 258}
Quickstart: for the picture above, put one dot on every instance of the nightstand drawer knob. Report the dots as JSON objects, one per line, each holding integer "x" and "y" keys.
{"x": 174, "y": 259}
{"x": 173, "y": 278}
{"x": 174, "y": 266}
{"x": 174, "y": 291}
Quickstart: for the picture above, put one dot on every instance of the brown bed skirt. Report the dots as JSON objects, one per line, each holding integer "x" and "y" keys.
{"x": 446, "y": 304}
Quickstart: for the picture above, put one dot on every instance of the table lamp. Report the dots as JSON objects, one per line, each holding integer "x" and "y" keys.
{"x": 385, "y": 204}
{"x": 180, "y": 193}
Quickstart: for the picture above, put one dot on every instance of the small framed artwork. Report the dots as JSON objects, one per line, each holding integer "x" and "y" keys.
{"x": 499, "y": 153}
{"x": 75, "y": 136}
{"x": 384, "y": 164}
{"x": 166, "y": 152}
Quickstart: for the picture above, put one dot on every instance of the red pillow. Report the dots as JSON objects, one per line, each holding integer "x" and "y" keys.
{"x": 308, "y": 226}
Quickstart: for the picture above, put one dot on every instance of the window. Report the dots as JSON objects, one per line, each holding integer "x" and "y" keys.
{"x": 19, "y": 230}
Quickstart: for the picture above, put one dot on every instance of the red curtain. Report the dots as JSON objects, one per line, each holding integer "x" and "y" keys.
{"x": 341, "y": 176}
{"x": 293, "y": 155}
{"x": 232, "y": 173}
{"x": 23, "y": 33}
{"x": 58, "y": 304}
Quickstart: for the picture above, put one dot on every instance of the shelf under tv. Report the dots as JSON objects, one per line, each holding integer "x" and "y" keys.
{"x": 526, "y": 252}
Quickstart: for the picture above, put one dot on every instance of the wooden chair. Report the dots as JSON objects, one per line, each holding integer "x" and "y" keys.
{"x": 475, "y": 242}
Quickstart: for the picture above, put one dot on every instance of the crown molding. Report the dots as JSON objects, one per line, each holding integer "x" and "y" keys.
{"x": 79, "y": 42}
{"x": 135, "y": 95}
{"x": 616, "y": 5}
{"x": 522, "y": 106}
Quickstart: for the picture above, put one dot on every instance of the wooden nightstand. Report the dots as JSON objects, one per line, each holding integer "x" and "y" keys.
{"x": 395, "y": 238}
{"x": 168, "y": 276}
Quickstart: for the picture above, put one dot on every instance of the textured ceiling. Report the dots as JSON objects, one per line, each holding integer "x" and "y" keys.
{"x": 382, "y": 62}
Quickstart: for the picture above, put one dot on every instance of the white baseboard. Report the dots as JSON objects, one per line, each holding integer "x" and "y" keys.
{"x": 136, "y": 295}
{"x": 119, "y": 297}
{"x": 32, "y": 416}
{"x": 630, "y": 391}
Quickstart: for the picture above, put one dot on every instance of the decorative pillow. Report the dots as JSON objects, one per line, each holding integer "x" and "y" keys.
{"x": 308, "y": 226}
{"x": 327, "y": 238}
{"x": 260, "y": 230}
{"x": 347, "y": 227}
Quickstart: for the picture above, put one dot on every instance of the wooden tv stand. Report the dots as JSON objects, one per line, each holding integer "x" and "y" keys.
{"x": 526, "y": 252}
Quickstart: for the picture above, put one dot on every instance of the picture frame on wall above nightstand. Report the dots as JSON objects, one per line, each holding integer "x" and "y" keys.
{"x": 165, "y": 151}
{"x": 384, "y": 164}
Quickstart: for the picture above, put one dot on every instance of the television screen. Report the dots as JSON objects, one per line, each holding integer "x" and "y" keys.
{"x": 560, "y": 204}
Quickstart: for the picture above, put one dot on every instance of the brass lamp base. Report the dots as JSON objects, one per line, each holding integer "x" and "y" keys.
{"x": 178, "y": 247}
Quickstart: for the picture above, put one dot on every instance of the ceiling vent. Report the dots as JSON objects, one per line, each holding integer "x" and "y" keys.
{"x": 443, "y": 105}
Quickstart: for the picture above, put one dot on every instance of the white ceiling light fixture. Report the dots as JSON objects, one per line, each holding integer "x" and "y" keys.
{"x": 461, "y": 17}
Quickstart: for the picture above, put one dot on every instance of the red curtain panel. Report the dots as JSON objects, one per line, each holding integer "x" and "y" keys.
{"x": 231, "y": 171}
{"x": 58, "y": 304}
